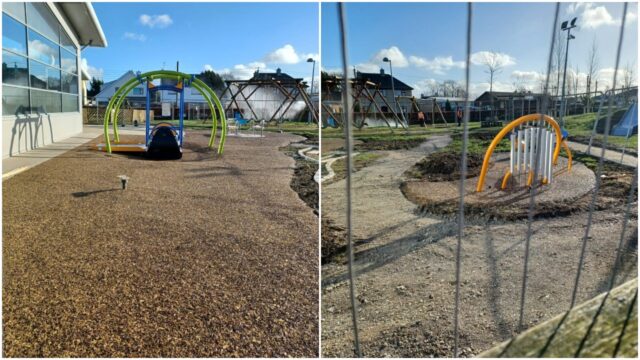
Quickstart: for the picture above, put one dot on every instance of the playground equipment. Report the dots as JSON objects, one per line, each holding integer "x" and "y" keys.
{"x": 164, "y": 138}
{"x": 535, "y": 146}
{"x": 629, "y": 123}
{"x": 238, "y": 121}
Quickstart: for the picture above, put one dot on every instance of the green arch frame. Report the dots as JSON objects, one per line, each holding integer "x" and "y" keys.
{"x": 208, "y": 94}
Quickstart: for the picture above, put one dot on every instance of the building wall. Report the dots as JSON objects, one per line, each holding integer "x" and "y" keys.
{"x": 41, "y": 101}
{"x": 34, "y": 131}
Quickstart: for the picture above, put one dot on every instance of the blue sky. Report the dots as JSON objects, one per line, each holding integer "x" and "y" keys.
{"x": 426, "y": 41}
{"x": 225, "y": 37}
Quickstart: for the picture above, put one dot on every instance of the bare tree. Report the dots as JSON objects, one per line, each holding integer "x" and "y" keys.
{"x": 557, "y": 66}
{"x": 542, "y": 82}
{"x": 628, "y": 79}
{"x": 494, "y": 64}
{"x": 593, "y": 66}
{"x": 558, "y": 60}
{"x": 519, "y": 83}
{"x": 628, "y": 76}
{"x": 576, "y": 81}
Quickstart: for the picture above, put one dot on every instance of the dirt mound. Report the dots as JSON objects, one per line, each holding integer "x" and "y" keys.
{"x": 445, "y": 166}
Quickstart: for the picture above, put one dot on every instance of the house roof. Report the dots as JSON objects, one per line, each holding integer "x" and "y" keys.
{"x": 384, "y": 80}
{"x": 277, "y": 76}
{"x": 82, "y": 18}
{"x": 108, "y": 85}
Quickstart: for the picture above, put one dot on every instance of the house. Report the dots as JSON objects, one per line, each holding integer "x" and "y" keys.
{"x": 527, "y": 103}
{"x": 137, "y": 97}
{"x": 403, "y": 92}
{"x": 42, "y": 77}
{"x": 266, "y": 96}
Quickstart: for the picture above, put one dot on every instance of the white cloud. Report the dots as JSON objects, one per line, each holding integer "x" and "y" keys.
{"x": 591, "y": 16}
{"x": 134, "y": 36}
{"x": 594, "y": 17}
{"x": 527, "y": 75}
{"x": 207, "y": 67}
{"x": 476, "y": 89}
{"x": 439, "y": 65}
{"x": 394, "y": 54}
{"x": 284, "y": 55}
{"x": 481, "y": 57}
{"x": 368, "y": 67}
{"x": 315, "y": 57}
{"x": 93, "y": 72}
{"x": 337, "y": 71}
{"x": 423, "y": 86}
{"x": 243, "y": 71}
{"x": 41, "y": 50}
{"x": 159, "y": 21}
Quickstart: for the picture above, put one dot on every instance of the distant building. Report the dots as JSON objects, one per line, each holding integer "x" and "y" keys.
{"x": 383, "y": 81}
{"x": 502, "y": 100}
{"x": 42, "y": 81}
{"x": 266, "y": 96}
{"x": 195, "y": 105}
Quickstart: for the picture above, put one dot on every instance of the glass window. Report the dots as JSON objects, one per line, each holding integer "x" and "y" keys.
{"x": 39, "y": 17}
{"x": 45, "y": 101}
{"x": 14, "y": 69}
{"x": 14, "y": 35}
{"x": 69, "y": 83}
{"x": 66, "y": 42}
{"x": 44, "y": 50}
{"x": 15, "y": 9}
{"x": 69, "y": 103}
{"x": 137, "y": 91}
{"x": 14, "y": 100}
{"x": 44, "y": 77}
{"x": 68, "y": 61}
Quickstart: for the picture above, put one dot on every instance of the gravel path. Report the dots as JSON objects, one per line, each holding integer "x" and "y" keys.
{"x": 374, "y": 189}
{"x": 406, "y": 270}
{"x": 611, "y": 155}
{"x": 201, "y": 257}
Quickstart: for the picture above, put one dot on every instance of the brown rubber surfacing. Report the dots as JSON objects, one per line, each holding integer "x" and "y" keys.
{"x": 204, "y": 256}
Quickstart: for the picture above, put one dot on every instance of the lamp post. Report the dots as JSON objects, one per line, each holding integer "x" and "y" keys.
{"x": 313, "y": 73}
{"x": 566, "y": 26}
{"x": 393, "y": 88}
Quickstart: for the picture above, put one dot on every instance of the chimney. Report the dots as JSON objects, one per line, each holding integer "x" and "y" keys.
{"x": 381, "y": 71}
{"x": 278, "y": 71}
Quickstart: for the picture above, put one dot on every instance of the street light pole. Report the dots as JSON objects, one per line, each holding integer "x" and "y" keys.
{"x": 567, "y": 27}
{"x": 313, "y": 73}
{"x": 393, "y": 89}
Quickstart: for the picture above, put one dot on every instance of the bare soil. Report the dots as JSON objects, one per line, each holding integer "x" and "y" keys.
{"x": 207, "y": 256}
{"x": 369, "y": 145}
{"x": 614, "y": 191}
{"x": 445, "y": 166}
{"x": 302, "y": 181}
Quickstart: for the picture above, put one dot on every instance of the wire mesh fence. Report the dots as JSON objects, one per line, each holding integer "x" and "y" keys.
{"x": 547, "y": 105}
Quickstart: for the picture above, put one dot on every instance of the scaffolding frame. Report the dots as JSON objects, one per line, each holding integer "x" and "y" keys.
{"x": 292, "y": 90}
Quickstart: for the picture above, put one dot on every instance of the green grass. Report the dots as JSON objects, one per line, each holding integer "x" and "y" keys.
{"x": 580, "y": 127}
{"x": 384, "y": 133}
{"x": 299, "y": 128}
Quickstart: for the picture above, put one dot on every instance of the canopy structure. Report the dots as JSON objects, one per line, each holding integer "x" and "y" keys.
{"x": 184, "y": 80}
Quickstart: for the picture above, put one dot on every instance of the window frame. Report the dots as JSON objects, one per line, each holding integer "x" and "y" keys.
{"x": 61, "y": 32}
